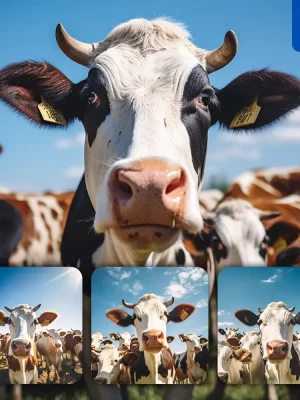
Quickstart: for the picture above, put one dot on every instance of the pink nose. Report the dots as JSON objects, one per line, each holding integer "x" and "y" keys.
{"x": 277, "y": 349}
{"x": 153, "y": 338}
{"x": 58, "y": 345}
{"x": 21, "y": 347}
{"x": 148, "y": 192}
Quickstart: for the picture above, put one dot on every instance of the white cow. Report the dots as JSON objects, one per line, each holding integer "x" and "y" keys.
{"x": 276, "y": 323}
{"x": 185, "y": 364}
{"x": 22, "y": 354}
{"x": 107, "y": 359}
{"x": 124, "y": 340}
{"x": 49, "y": 345}
{"x": 150, "y": 318}
{"x": 97, "y": 339}
{"x": 230, "y": 333}
{"x": 251, "y": 341}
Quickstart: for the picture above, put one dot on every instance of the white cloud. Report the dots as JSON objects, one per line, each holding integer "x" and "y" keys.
{"x": 225, "y": 323}
{"x": 74, "y": 172}
{"x": 221, "y": 312}
{"x": 68, "y": 143}
{"x": 134, "y": 288}
{"x": 176, "y": 290}
{"x": 201, "y": 304}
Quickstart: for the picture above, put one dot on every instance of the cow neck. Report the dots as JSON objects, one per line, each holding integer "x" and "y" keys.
{"x": 153, "y": 361}
{"x": 255, "y": 368}
{"x": 190, "y": 358}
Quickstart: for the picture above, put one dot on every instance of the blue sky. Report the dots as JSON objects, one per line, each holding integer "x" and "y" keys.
{"x": 187, "y": 285}
{"x": 251, "y": 288}
{"x": 36, "y": 159}
{"x": 56, "y": 289}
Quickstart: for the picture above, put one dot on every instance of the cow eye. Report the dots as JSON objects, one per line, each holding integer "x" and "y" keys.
{"x": 293, "y": 322}
{"x": 9, "y": 321}
{"x": 93, "y": 98}
{"x": 205, "y": 98}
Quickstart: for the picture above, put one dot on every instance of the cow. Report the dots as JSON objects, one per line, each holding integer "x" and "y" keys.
{"x": 276, "y": 323}
{"x": 38, "y": 224}
{"x": 107, "y": 359}
{"x": 11, "y": 231}
{"x": 4, "y": 344}
{"x": 230, "y": 333}
{"x": 72, "y": 343}
{"x": 185, "y": 362}
{"x": 49, "y": 345}
{"x": 150, "y": 317}
{"x": 138, "y": 104}
{"x": 124, "y": 340}
{"x": 230, "y": 367}
{"x": 22, "y": 353}
{"x": 251, "y": 341}
{"x": 97, "y": 339}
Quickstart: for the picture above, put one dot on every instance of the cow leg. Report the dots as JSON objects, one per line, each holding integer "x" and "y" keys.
{"x": 11, "y": 377}
{"x": 35, "y": 377}
{"x": 179, "y": 392}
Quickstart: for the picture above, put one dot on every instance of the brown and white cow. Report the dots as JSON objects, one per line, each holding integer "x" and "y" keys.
{"x": 146, "y": 113}
{"x": 22, "y": 352}
{"x": 276, "y": 323}
{"x": 150, "y": 317}
{"x": 73, "y": 343}
{"x": 49, "y": 345}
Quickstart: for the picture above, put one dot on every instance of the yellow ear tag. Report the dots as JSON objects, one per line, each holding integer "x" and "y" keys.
{"x": 247, "y": 116}
{"x": 51, "y": 115}
{"x": 46, "y": 322}
{"x": 280, "y": 244}
{"x": 183, "y": 315}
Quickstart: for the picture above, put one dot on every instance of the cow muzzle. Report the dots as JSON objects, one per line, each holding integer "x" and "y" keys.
{"x": 21, "y": 347}
{"x": 153, "y": 340}
{"x": 277, "y": 350}
{"x": 148, "y": 200}
{"x": 57, "y": 345}
{"x": 100, "y": 380}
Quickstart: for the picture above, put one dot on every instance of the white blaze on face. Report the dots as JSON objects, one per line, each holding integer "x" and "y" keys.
{"x": 192, "y": 342}
{"x": 231, "y": 333}
{"x": 144, "y": 92}
{"x": 124, "y": 340}
{"x": 238, "y": 226}
{"x": 97, "y": 339}
{"x": 224, "y": 357}
{"x": 56, "y": 338}
{"x": 22, "y": 326}
{"x": 251, "y": 341}
{"x": 108, "y": 358}
{"x": 276, "y": 324}
{"x": 150, "y": 315}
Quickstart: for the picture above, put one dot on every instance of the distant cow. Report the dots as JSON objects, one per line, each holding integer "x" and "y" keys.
{"x": 186, "y": 366}
{"x": 150, "y": 317}
{"x": 252, "y": 342}
{"x": 107, "y": 359}
{"x": 73, "y": 343}
{"x": 276, "y": 323}
{"x": 124, "y": 340}
{"x": 49, "y": 345}
{"x": 22, "y": 323}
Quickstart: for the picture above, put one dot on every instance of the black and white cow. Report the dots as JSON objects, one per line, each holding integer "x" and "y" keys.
{"x": 146, "y": 106}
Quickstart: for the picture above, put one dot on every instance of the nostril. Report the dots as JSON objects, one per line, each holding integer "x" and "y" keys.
{"x": 285, "y": 348}
{"x": 145, "y": 338}
{"x": 120, "y": 185}
{"x": 177, "y": 182}
{"x": 28, "y": 347}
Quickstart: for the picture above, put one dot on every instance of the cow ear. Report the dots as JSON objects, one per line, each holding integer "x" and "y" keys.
{"x": 276, "y": 94}
{"x": 46, "y": 334}
{"x": 114, "y": 336}
{"x": 203, "y": 340}
{"x": 246, "y": 317}
{"x": 25, "y": 86}
{"x": 233, "y": 341}
{"x": 182, "y": 337}
{"x": 3, "y": 318}
{"x": 62, "y": 334}
{"x": 181, "y": 312}
{"x": 297, "y": 318}
{"x": 170, "y": 339}
{"x": 106, "y": 342}
{"x": 47, "y": 317}
{"x": 78, "y": 338}
{"x": 295, "y": 339}
{"x": 119, "y": 317}
{"x": 289, "y": 256}
{"x": 221, "y": 331}
{"x": 129, "y": 358}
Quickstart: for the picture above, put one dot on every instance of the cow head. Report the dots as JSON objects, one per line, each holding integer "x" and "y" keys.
{"x": 22, "y": 323}
{"x": 276, "y": 323}
{"x": 251, "y": 341}
{"x": 238, "y": 237}
{"x": 123, "y": 338}
{"x": 150, "y": 317}
{"x": 146, "y": 106}
{"x": 97, "y": 339}
{"x": 107, "y": 359}
{"x": 192, "y": 341}
{"x": 225, "y": 356}
{"x": 55, "y": 335}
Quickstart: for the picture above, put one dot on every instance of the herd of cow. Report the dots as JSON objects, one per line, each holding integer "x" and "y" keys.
{"x": 29, "y": 356}
{"x": 268, "y": 355}
{"x": 147, "y": 358}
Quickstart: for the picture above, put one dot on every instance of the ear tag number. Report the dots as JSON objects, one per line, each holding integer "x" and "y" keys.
{"x": 247, "y": 116}
{"x": 51, "y": 115}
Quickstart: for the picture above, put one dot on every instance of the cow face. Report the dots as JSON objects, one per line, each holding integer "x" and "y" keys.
{"x": 97, "y": 339}
{"x": 123, "y": 338}
{"x": 150, "y": 318}
{"x": 22, "y": 325}
{"x": 251, "y": 341}
{"x": 225, "y": 356}
{"x": 192, "y": 341}
{"x": 239, "y": 237}
{"x": 229, "y": 332}
{"x": 55, "y": 337}
{"x": 107, "y": 359}
{"x": 276, "y": 323}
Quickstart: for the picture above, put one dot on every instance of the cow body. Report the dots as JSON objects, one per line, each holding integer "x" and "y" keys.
{"x": 252, "y": 342}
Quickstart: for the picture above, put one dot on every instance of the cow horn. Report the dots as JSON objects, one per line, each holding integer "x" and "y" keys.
{"x": 291, "y": 309}
{"x": 218, "y": 58}
{"x": 57, "y": 330}
{"x": 77, "y": 51}
{"x": 170, "y": 302}
{"x": 260, "y": 310}
{"x": 237, "y": 329}
{"x": 128, "y": 305}
{"x": 9, "y": 309}
{"x": 36, "y": 308}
